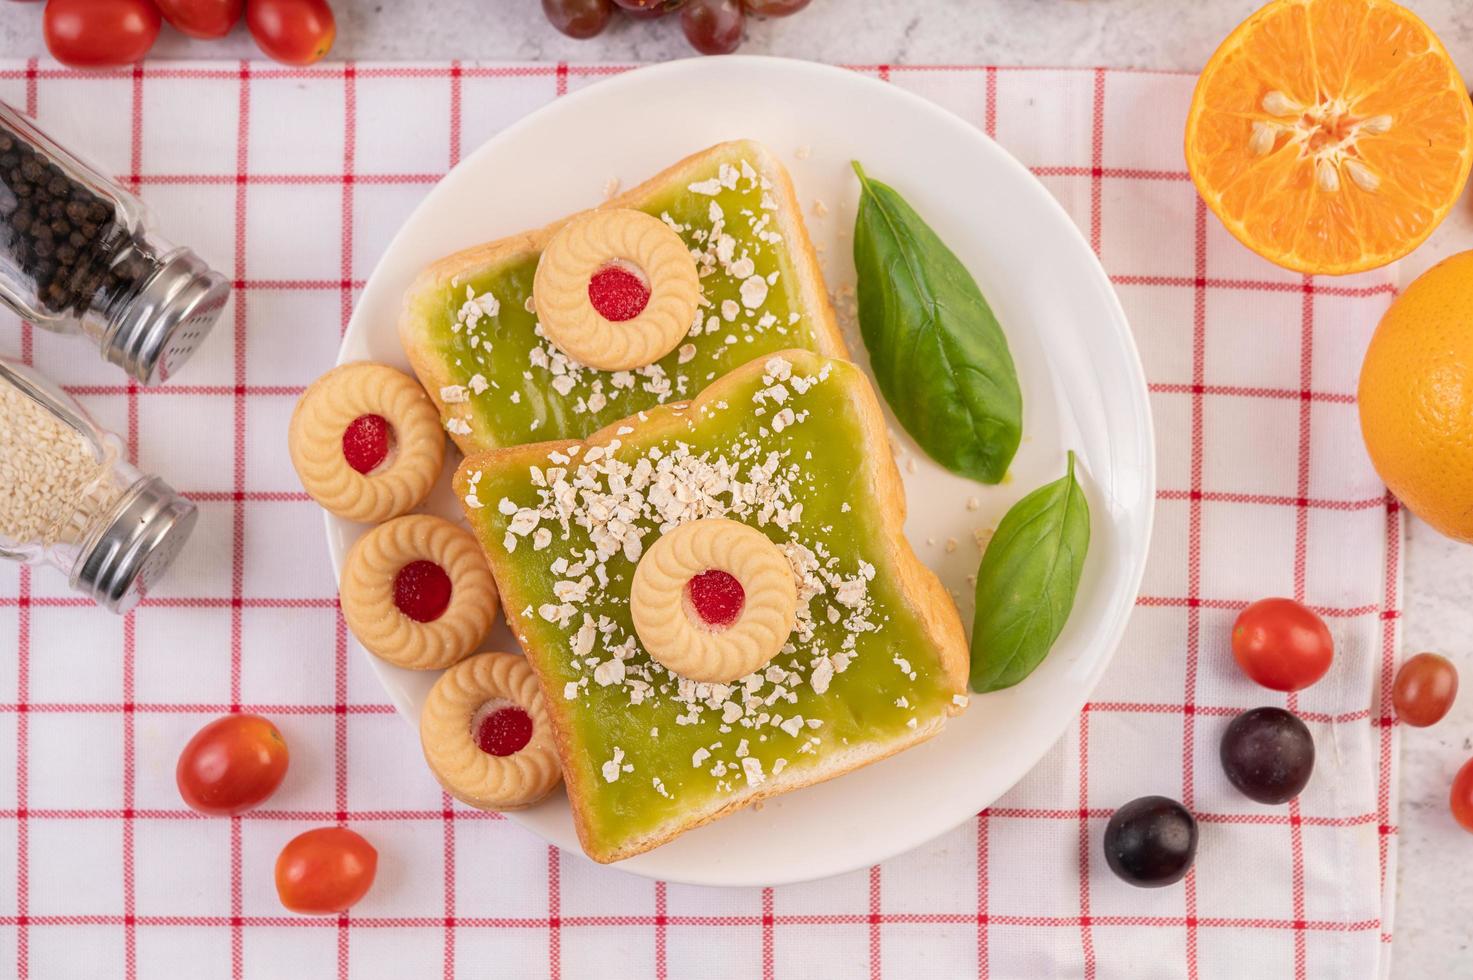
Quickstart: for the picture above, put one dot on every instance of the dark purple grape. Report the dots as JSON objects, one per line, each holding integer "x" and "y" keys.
{"x": 713, "y": 26}
{"x": 578, "y": 18}
{"x": 1268, "y": 754}
{"x": 1151, "y": 842}
{"x": 775, "y": 8}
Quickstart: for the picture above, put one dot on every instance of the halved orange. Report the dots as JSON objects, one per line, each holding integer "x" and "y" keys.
{"x": 1330, "y": 136}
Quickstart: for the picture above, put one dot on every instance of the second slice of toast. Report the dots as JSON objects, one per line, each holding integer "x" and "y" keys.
{"x": 793, "y": 445}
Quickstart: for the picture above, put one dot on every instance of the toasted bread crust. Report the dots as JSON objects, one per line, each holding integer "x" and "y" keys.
{"x": 921, "y": 590}
{"x": 814, "y": 299}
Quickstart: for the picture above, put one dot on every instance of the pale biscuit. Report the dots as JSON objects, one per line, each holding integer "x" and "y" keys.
{"x": 315, "y": 438}
{"x": 366, "y": 592}
{"x": 446, "y": 732}
{"x": 673, "y": 633}
{"x": 593, "y": 241}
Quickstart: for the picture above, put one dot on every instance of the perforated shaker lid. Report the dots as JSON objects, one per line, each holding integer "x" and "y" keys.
{"x": 136, "y": 547}
{"x": 168, "y": 319}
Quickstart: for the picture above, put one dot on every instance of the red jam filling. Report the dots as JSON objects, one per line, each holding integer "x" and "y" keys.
{"x": 505, "y": 731}
{"x": 422, "y": 591}
{"x": 617, "y": 293}
{"x": 717, "y": 597}
{"x": 366, "y": 442}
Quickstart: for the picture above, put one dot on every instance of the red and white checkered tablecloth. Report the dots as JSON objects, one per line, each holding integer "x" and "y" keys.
{"x": 292, "y": 181}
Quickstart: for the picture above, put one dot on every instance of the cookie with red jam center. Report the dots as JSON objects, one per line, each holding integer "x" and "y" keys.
{"x": 418, "y": 593}
{"x": 486, "y": 734}
{"x": 713, "y": 600}
{"x": 366, "y": 442}
{"x": 616, "y": 289}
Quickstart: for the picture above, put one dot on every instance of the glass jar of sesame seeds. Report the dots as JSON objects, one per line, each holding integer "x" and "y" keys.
{"x": 77, "y": 256}
{"x": 69, "y": 498}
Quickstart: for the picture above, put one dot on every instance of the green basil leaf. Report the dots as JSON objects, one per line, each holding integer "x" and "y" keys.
{"x": 1026, "y": 585}
{"x": 936, "y": 349}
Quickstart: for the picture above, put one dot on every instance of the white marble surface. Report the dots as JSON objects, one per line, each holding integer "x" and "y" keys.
{"x": 1432, "y": 937}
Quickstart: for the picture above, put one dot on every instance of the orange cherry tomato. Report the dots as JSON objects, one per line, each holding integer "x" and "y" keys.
{"x": 324, "y": 871}
{"x": 1424, "y": 690}
{"x": 1282, "y": 645}
{"x": 202, "y": 18}
{"x": 1461, "y": 797}
{"x": 231, "y": 764}
{"x": 100, "y": 33}
{"x": 295, "y": 32}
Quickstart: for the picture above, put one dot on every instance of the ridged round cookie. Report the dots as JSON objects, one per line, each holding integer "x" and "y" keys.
{"x": 447, "y": 734}
{"x": 670, "y": 628}
{"x": 367, "y": 592}
{"x": 324, "y": 412}
{"x": 592, "y": 242}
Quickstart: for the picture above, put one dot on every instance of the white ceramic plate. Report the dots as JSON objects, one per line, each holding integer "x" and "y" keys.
{"x": 1083, "y": 389}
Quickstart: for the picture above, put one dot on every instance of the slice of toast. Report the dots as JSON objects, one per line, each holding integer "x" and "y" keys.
{"x": 469, "y": 328}
{"x": 794, "y": 445}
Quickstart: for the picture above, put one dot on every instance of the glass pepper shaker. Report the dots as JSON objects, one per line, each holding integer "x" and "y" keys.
{"x": 69, "y": 498}
{"x": 77, "y": 255}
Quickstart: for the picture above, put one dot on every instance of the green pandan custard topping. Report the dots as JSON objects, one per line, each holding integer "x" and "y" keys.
{"x": 782, "y": 449}
{"x": 511, "y": 386}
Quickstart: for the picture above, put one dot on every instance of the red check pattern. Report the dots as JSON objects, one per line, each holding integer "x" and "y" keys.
{"x": 294, "y": 179}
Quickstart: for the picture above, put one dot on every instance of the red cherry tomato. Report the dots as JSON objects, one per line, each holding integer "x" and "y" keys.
{"x": 1424, "y": 689}
{"x": 202, "y": 18}
{"x": 324, "y": 871}
{"x": 1282, "y": 645}
{"x": 294, "y": 32}
{"x": 1461, "y": 797}
{"x": 231, "y": 764}
{"x": 100, "y": 33}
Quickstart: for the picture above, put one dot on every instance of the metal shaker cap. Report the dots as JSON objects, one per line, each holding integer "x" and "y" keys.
{"x": 136, "y": 546}
{"x": 166, "y": 321}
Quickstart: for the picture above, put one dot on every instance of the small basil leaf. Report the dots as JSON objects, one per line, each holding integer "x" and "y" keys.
{"x": 936, "y": 350}
{"x": 1026, "y": 585}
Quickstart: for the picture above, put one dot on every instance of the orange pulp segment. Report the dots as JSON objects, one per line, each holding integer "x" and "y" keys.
{"x": 1330, "y": 136}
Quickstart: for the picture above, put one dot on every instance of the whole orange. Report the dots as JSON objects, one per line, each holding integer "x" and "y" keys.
{"x": 1416, "y": 397}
